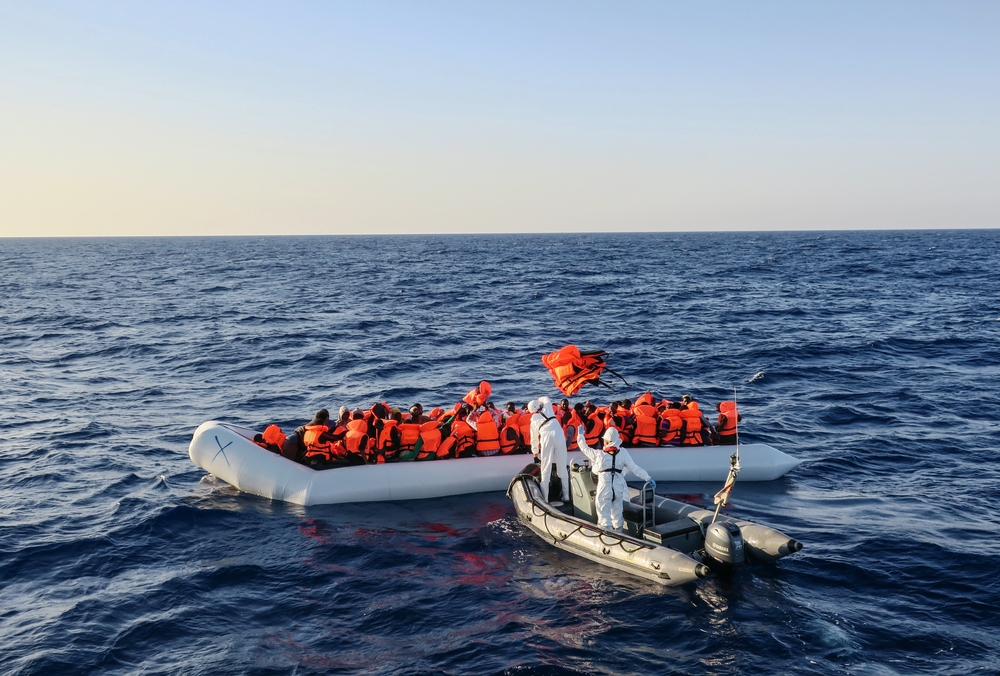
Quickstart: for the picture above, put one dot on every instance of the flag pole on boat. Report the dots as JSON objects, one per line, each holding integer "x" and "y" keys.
{"x": 722, "y": 497}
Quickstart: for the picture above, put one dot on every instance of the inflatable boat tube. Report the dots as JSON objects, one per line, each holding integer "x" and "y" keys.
{"x": 629, "y": 554}
{"x": 228, "y": 452}
{"x": 762, "y": 543}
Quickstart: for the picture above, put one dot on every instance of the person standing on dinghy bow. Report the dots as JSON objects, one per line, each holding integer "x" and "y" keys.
{"x": 548, "y": 444}
{"x": 610, "y": 465}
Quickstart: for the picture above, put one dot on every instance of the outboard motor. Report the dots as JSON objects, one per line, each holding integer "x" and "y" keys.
{"x": 724, "y": 543}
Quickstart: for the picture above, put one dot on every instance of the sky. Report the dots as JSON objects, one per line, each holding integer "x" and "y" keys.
{"x": 245, "y": 118}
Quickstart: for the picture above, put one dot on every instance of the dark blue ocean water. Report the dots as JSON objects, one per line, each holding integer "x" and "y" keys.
{"x": 876, "y": 358}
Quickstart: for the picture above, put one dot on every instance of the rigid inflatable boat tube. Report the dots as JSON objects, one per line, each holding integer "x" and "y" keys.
{"x": 762, "y": 543}
{"x": 610, "y": 548}
{"x": 228, "y": 452}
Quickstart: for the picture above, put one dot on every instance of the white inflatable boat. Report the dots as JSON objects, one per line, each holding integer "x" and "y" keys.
{"x": 228, "y": 452}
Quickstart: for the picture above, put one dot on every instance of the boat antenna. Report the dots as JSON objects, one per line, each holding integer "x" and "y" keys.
{"x": 722, "y": 497}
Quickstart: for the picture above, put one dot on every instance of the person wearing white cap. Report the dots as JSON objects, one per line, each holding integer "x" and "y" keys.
{"x": 548, "y": 444}
{"x": 610, "y": 464}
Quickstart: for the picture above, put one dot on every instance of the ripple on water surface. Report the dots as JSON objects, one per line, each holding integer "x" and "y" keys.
{"x": 872, "y": 356}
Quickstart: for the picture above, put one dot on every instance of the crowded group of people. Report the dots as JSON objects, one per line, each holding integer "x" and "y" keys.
{"x": 476, "y": 427}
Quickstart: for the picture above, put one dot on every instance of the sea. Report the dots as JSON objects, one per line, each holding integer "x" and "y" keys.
{"x": 874, "y": 357}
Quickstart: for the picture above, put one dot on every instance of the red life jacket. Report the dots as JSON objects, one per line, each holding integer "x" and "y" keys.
{"x": 646, "y": 425}
{"x": 487, "y": 434}
{"x": 510, "y": 435}
{"x": 691, "y": 417}
{"x": 670, "y": 427}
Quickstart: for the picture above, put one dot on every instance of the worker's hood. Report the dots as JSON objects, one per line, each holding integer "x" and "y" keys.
{"x": 547, "y": 409}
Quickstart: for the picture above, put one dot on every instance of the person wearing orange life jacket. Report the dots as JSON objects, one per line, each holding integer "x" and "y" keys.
{"x": 487, "y": 432}
{"x": 574, "y": 423}
{"x": 273, "y": 439}
{"x": 295, "y": 447}
{"x": 610, "y": 464}
{"x": 510, "y": 434}
{"x": 647, "y": 423}
{"x": 524, "y": 427}
{"x": 356, "y": 439}
{"x": 593, "y": 424}
{"x": 728, "y": 419}
{"x": 447, "y": 447}
{"x": 322, "y": 448}
{"x": 409, "y": 432}
{"x": 694, "y": 430}
{"x": 548, "y": 444}
{"x": 671, "y": 424}
{"x": 464, "y": 435}
{"x": 387, "y": 437}
{"x": 428, "y": 446}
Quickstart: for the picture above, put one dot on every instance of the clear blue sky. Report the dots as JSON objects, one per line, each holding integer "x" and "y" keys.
{"x": 136, "y": 118}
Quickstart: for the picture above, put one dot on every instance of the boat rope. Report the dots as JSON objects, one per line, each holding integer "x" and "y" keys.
{"x": 722, "y": 497}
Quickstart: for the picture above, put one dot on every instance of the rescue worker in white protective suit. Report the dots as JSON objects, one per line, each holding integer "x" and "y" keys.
{"x": 548, "y": 444}
{"x": 610, "y": 465}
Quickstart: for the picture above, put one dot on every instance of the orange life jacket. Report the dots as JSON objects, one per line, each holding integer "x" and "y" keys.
{"x": 646, "y": 425}
{"x": 408, "y": 434}
{"x": 728, "y": 419}
{"x": 571, "y": 427}
{"x": 274, "y": 435}
{"x": 593, "y": 437}
{"x": 464, "y": 436}
{"x": 357, "y": 436}
{"x": 444, "y": 450}
{"x": 430, "y": 435}
{"x": 691, "y": 418}
{"x": 620, "y": 422}
{"x": 385, "y": 436}
{"x": 314, "y": 447}
{"x": 572, "y": 369}
{"x": 670, "y": 427}
{"x": 478, "y": 395}
{"x": 524, "y": 429}
{"x": 487, "y": 434}
{"x": 646, "y": 398}
{"x": 510, "y": 435}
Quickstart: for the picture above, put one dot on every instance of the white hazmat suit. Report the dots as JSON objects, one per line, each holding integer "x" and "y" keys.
{"x": 610, "y": 468}
{"x": 548, "y": 444}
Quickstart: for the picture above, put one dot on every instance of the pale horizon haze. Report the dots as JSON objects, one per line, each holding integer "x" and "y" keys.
{"x": 247, "y": 118}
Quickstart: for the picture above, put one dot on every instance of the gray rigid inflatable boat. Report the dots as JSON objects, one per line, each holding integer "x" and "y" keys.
{"x": 666, "y": 541}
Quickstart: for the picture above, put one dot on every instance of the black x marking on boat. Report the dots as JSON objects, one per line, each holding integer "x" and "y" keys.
{"x": 222, "y": 449}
